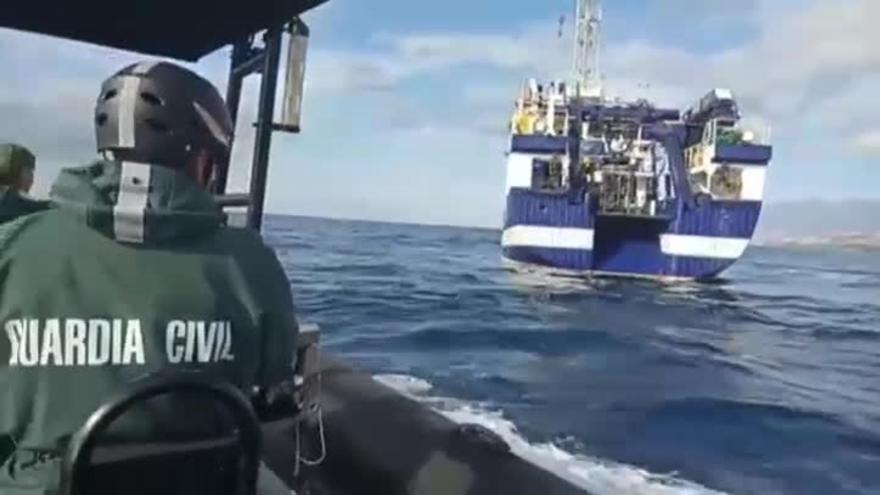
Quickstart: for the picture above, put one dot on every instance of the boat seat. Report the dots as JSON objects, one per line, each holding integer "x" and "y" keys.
{"x": 220, "y": 466}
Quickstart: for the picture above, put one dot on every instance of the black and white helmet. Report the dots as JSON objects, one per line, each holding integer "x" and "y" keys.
{"x": 160, "y": 113}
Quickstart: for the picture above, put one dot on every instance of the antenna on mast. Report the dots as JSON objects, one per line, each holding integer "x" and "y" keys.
{"x": 588, "y": 22}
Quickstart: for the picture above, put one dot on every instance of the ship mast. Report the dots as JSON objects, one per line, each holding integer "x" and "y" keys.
{"x": 586, "y": 47}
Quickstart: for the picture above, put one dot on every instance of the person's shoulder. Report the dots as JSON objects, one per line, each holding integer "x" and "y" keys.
{"x": 245, "y": 243}
{"x": 240, "y": 237}
{"x": 253, "y": 257}
{"x": 27, "y": 205}
{"x": 45, "y": 226}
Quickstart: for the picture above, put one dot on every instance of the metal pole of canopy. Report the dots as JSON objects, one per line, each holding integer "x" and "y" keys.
{"x": 265, "y": 119}
{"x": 233, "y": 98}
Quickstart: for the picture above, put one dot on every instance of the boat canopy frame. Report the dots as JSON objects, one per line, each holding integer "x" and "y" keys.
{"x": 187, "y": 31}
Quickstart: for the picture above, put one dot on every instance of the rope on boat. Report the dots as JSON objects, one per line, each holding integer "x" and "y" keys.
{"x": 318, "y": 411}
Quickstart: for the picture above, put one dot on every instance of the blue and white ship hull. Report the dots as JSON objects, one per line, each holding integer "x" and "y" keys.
{"x": 699, "y": 244}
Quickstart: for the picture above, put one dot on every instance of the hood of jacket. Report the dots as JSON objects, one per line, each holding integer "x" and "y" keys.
{"x": 138, "y": 203}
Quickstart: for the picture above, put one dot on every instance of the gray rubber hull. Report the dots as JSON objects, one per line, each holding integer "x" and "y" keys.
{"x": 379, "y": 441}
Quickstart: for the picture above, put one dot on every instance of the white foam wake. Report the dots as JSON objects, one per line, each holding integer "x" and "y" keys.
{"x": 596, "y": 476}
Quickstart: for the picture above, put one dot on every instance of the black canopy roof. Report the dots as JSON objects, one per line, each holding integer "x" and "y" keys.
{"x": 180, "y": 29}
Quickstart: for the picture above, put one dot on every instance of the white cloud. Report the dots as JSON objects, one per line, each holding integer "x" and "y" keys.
{"x": 439, "y": 51}
{"x": 800, "y": 58}
{"x": 338, "y": 71}
{"x": 703, "y": 10}
{"x": 425, "y": 173}
{"x": 388, "y": 60}
{"x": 803, "y": 59}
{"x": 867, "y": 143}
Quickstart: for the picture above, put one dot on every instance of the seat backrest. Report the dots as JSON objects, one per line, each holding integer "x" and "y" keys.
{"x": 217, "y": 467}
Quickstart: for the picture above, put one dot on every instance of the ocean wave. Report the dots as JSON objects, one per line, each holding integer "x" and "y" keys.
{"x": 483, "y": 335}
{"x": 596, "y": 476}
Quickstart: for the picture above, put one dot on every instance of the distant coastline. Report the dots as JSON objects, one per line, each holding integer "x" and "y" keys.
{"x": 860, "y": 241}
{"x": 806, "y": 223}
{"x": 821, "y": 224}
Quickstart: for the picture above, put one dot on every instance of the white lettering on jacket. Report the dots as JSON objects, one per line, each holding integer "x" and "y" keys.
{"x": 74, "y": 342}
{"x": 198, "y": 341}
{"x": 102, "y": 342}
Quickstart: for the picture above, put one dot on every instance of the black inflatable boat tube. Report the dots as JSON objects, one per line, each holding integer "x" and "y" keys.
{"x": 380, "y": 441}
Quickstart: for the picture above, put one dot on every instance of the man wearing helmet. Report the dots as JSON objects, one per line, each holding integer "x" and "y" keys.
{"x": 133, "y": 274}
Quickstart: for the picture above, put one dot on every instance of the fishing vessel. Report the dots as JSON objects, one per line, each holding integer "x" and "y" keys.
{"x": 605, "y": 186}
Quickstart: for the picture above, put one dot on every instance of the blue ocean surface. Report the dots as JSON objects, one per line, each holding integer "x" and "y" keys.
{"x": 765, "y": 383}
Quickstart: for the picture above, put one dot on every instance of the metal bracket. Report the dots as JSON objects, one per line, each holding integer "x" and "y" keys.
{"x": 233, "y": 200}
{"x": 308, "y": 368}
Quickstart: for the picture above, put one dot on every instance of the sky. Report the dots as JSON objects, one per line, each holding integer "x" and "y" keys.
{"x": 407, "y": 103}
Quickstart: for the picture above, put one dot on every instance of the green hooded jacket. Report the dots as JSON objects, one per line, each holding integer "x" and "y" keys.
{"x": 135, "y": 273}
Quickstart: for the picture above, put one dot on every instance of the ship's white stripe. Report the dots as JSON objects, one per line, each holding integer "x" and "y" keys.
{"x": 548, "y": 237}
{"x": 670, "y": 244}
{"x": 698, "y": 246}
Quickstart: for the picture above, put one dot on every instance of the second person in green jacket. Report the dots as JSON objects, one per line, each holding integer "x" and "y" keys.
{"x": 17, "y": 165}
